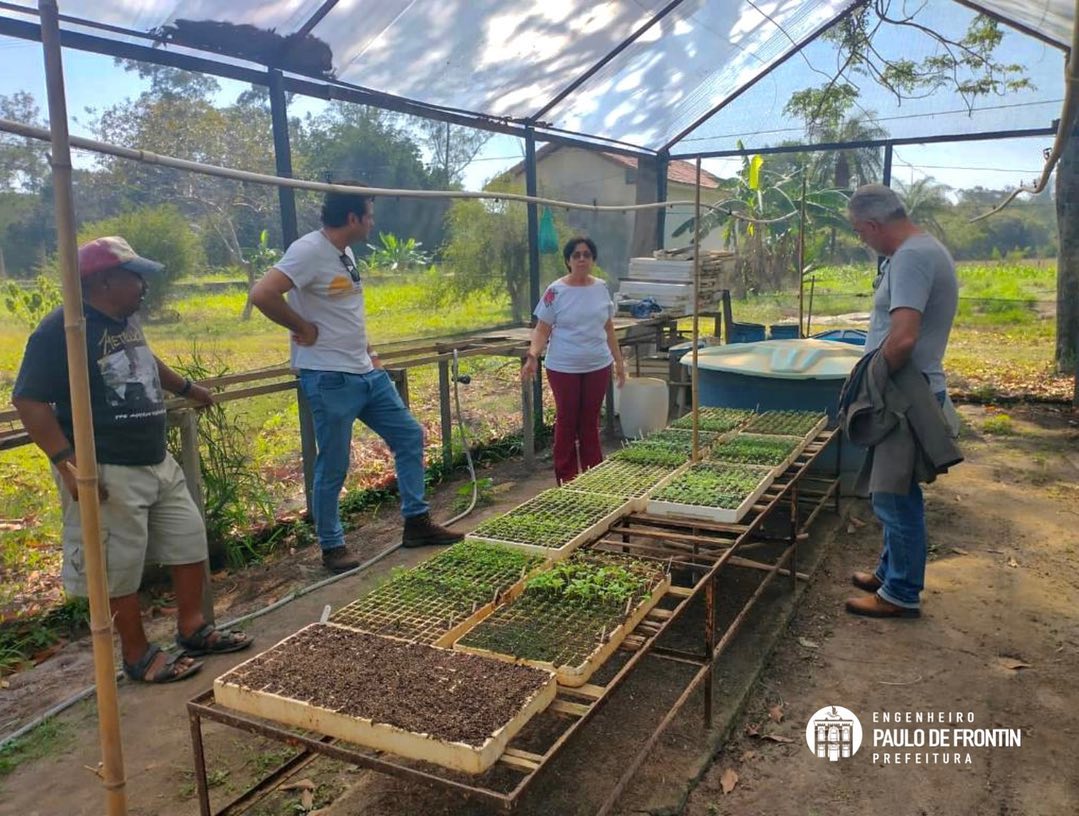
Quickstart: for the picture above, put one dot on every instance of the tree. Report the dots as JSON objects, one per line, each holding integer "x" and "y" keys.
{"x": 451, "y": 147}
{"x": 176, "y": 117}
{"x": 761, "y": 219}
{"x": 24, "y": 163}
{"x": 487, "y": 248}
{"x": 925, "y": 201}
{"x": 969, "y": 66}
{"x": 358, "y": 143}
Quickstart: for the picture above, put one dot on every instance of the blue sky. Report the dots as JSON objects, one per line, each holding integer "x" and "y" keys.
{"x": 94, "y": 81}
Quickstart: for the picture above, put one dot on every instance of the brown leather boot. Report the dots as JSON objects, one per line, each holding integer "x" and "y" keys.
{"x": 874, "y": 606}
{"x": 420, "y": 531}
{"x": 339, "y": 560}
{"x": 865, "y": 580}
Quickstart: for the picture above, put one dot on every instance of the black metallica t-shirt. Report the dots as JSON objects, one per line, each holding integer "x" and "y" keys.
{"x": 126, "y": 398}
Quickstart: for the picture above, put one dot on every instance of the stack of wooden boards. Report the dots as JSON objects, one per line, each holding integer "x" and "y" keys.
{"x": 447, "y": 661}
{"x": 667, "y": 278}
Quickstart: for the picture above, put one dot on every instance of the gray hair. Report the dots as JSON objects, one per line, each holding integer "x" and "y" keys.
{"x": 875, "y": 202}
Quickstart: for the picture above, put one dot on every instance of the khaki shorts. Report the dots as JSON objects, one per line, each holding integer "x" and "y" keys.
{"x": 149, "y": 515}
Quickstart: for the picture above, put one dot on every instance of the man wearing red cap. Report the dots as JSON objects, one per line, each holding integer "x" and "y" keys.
{"x": 146, "y": 509}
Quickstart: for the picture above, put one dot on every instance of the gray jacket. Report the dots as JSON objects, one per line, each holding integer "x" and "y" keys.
{"x": 899, "y": 419}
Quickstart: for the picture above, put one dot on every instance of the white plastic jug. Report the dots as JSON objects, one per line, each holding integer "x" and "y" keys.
{"x": 642, "y": 406}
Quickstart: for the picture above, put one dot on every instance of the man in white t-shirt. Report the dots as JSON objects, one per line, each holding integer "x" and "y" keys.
{"x": 340, "y": 373}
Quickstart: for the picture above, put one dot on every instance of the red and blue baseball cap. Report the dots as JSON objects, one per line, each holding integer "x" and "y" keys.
{"x": 111, "y": 252}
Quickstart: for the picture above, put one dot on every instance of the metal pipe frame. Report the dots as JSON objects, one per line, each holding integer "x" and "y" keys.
{"x": 795, "y": 49}
{"x": 981, "y": 136}
{"x": 711, "y": 553}
{"x": 306, "y": 86}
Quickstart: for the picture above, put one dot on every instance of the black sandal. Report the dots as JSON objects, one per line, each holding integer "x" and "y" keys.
{"x": 203, "y": 642}
{"x": 170, "y": 672}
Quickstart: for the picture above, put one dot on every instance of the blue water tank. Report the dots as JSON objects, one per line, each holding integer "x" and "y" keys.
{"x": 784, "y": 331}
{"x": 856, "y": 337}
{"x": 781, "y": 375}
{"x": 746, "y": 332}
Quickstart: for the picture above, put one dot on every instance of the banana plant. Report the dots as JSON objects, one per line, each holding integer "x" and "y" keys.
{"x": 761, "y": 217}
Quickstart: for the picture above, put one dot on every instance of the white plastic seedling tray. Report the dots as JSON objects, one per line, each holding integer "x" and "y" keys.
{"x": 798, "y": 445}
{"x": 376, "y": 735}
{"x": 722, "y": 515}
{"x": 635, "y": 503}
{"x": 811, "y": 434}
{"x": 592, "y": 532}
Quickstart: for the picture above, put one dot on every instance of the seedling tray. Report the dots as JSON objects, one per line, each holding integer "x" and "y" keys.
{"x": 678, "y": 439}
{"x": 436, "y": 705}
{"x": 715, "y": 420}
{"x": 806, "y": 424}
{"x": 777, "y": 451}
{"x": 641, "y": 453}
{"x": 553, "y": 523}
{"x": 713, "y": 491}
{"x": 570, "y": 635}
{"x": 630, "y": 481}
{"x": 443, "y": 597}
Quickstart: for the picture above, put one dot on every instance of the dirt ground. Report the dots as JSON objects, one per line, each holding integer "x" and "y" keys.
{"x": 1003, "y": 590}
{"x": 999, "y": 637}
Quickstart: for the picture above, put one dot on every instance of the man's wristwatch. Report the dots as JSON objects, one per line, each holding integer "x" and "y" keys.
{"x": 62, "y": 455}
{"x": 187, "y": 387}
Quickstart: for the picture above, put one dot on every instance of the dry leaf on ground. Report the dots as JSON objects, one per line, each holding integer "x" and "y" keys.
{"x": 960, "y": 551}
{"x": 307, "y": 800}
{"x": 775, "y": 713}
{"x": 299, "y": 784}
{"x": 777, "y": 738}
{"x": 1013, "y": 663}
{"x": 728, "y": 780}
{"x": 807, "y": 643}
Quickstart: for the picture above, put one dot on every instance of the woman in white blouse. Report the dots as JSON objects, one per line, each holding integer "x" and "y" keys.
{"x": 574, "y": 323}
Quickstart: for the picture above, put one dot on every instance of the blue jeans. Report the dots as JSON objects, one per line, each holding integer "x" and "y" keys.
{"x": 901, "y": 569}
{"x": 338, "y": 399}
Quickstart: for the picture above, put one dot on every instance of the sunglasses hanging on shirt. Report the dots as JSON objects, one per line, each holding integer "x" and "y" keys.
{"x": 350, "y": 267}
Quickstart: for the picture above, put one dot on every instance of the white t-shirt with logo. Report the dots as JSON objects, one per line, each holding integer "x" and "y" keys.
{"x": 326, "y": 295}
{"x": 578, "y": 316}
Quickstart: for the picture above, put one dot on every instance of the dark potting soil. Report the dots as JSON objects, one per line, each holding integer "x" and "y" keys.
{"x": 452, "y": 696}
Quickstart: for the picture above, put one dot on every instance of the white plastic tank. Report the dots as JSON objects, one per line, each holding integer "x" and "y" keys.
{"x": 642, "y": 406}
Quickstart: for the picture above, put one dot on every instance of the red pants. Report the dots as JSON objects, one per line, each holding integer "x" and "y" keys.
{"x": 577, "y": 399}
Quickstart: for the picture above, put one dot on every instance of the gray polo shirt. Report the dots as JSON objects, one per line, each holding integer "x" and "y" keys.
{"x": 921, "y": 276}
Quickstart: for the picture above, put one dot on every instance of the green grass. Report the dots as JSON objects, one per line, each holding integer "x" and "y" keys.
{"x": 50, "y": 738}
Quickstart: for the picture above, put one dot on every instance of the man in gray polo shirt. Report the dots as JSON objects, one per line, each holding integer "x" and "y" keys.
{"x": 914, "y": 304}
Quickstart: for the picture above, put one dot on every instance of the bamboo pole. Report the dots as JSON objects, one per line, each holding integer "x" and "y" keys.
{"x": 85, "y": 455}
{"x": 694, "y": 391}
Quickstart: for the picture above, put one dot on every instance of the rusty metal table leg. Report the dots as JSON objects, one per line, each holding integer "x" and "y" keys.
{"x": 202, "y": 789}
{"x": 793, "y": 566}
{"x": 709, "y": 645}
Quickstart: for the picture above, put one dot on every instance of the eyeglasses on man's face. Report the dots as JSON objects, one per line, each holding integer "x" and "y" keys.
{"x": 350, "y": 267}
{"x": 581, "y": 256}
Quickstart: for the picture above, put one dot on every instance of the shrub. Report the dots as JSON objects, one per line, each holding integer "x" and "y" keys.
{"x": 29, "y": 305}
{"x": 159, "y": 233}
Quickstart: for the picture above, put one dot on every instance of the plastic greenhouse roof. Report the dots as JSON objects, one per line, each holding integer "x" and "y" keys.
{"x": 645, "y": 74}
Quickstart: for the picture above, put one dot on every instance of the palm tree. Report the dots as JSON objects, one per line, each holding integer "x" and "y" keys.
{"x": 846, "y": 169}
{"x": 925, "y": 199}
